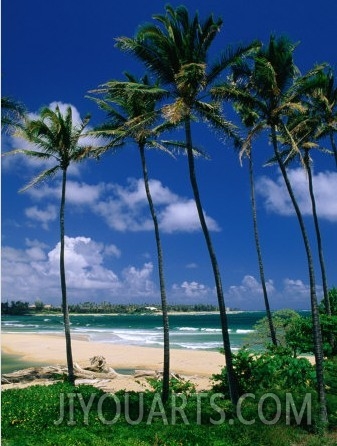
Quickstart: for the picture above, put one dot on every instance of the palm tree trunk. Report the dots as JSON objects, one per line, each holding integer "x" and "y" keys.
{"x": 233, "y": 386}
{"x": 166, "y": 368}
{"x": 318, "y": 236}
{"x": 333, "y": 145}
{"x": 65, "y": 310}
{"x": 317, "y": 333}
{"x": 259, "y": 253}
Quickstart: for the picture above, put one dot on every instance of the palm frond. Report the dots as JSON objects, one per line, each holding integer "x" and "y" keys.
{"x": 31, "y": 153}
{"x": 212, "y": 115}
{"x": 46, "y": 174}
{"x": 231, "y": 56}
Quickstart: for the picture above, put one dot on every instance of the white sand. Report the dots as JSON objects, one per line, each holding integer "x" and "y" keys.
{"x": 197, "y": 366}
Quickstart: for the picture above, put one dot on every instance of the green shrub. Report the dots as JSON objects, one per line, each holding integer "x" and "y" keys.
{"x": 275, "y": 372}
{"x": 274, "y": 369}
{"x": 177, "y": 385}
{"x": 330, "y": 375}
{"x": 38, "y": 407}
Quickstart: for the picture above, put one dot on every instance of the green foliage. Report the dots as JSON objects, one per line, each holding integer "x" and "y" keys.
{"x": 177, "y": 385}
{"x": 296, "y": 332}
{"x": 21, "y": 307}
{"x": 37, "y": 407}
{"x": 273, "y": 370}
{"x": 299, "y": 335}
{"x": 331, "y": 386}
{"x": 333, "y": 302}
{"x": 28, "y": 417}
{"x": 282, "y": 319}
{"x": 18, "y": 307}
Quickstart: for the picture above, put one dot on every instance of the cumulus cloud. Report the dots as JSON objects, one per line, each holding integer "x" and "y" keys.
{"x": 290, "y": 293}
{"x": 277, "y": 200}
{"x": 126, "y": 209}
{"x": 34, "y": 273}
{"x": 138, "y": 280}
{"x": 248, "y": 293}
{"x": 192, "y": 291}
{"x": 183, "y": 216}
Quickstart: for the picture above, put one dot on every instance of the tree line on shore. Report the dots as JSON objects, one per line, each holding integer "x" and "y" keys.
{"x": 25, "y": 308}
{"x": 268, "y": 95}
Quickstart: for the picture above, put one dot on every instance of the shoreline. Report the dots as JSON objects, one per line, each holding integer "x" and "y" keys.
{"x": 50, "y": 349}
{"x": 133, "y": 364}
{"x": 153, "y": 313}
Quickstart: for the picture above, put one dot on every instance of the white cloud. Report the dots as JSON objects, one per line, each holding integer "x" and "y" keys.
{"x": 183, "y": 216}
{"x": 78, "y": 193}
{"x": 248, "y": 294}
{"x": 138, "y": 281}
{"x": 296, "y": 287}
{"x": 291, "y": 293}
{"x": 192, "y": 290}
{"x": 126, "y": 209}
{"x": 277, "y": 200}
{"x": 112, "y": 250}
{"x": 33, "y": 273}
{"x": 81, "y": 193}
{"x": 44, "y": 217}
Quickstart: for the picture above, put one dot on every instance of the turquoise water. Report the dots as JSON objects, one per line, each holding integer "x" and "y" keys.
{"x": 10, "y": 363}
{"x": 187, "y": 331}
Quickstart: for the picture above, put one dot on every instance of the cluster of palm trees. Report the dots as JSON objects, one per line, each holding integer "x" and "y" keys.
{"x": 268, "y": 94}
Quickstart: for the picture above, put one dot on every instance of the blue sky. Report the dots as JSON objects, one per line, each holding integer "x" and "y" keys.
{"x": 55, "y": 52}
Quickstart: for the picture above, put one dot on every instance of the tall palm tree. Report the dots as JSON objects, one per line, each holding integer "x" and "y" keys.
{"x": 238, "y": 92}
{"x": 56, "y": 138}
{"x": 12, "y": 114}
{"x": 131, "y": 107}
{"x": 300, "y": 140}
{"x": 276, "y": 83}
{"x": 259, "y": 250}
{"x": 176, "y": 51}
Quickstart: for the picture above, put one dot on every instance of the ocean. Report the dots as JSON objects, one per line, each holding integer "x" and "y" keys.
{"x": 190, "y": 331}
{"x": 187, "y": 331}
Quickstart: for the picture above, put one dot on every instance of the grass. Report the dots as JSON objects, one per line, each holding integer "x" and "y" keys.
{"x": 29, "y": 415}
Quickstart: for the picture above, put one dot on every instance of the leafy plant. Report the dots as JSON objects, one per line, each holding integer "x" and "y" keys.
{"x": 177, "y": 385}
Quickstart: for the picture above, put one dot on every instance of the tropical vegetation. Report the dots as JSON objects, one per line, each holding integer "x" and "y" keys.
{"x": 109, "y": 421}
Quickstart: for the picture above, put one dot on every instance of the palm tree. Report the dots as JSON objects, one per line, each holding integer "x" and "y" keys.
{"x": 238, "y": 93}
{"x": 276, "y": 84}
{"x": 176, "y": 52}
{"x": 131, "y": 107}
{"x": 12, "y": 114}
{"x": 259, "y": 250}
{"x": 300, "y": 137}
{"x": 57, "y": 139}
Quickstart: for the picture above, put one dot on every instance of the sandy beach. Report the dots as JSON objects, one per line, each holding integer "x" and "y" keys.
{"x": 197, "y": 366}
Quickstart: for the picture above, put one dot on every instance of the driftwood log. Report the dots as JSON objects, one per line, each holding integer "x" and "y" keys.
{"x": 97, "y": 370}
